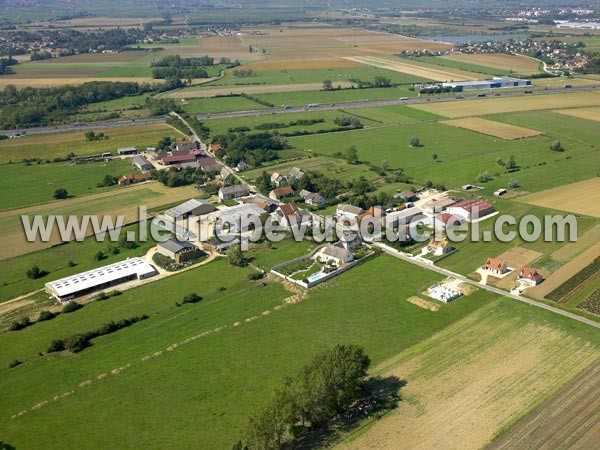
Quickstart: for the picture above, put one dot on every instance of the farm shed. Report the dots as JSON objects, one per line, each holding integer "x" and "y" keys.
{"x": 68, "y": 288}
{"x": 193, "y": 207}
{"x": 179, "y": 251}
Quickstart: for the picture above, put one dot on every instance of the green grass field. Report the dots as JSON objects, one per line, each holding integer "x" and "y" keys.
{"x": 219, "y": 104}
{"x": 37, "y": 182}
{"x": 217, "y": 379}
{"x": 221, "y": 126}
{"x": 61, "y": 144}
{"x": 462, "y": 154}
{"x": 299, "y": 76}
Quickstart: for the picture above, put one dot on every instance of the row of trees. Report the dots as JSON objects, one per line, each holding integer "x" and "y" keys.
{"x": 321, "y": 390}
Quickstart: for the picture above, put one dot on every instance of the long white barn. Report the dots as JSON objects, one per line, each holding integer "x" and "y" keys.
{"x": 68, "y": 288}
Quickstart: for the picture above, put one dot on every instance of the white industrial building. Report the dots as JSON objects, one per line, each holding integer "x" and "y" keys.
{"x": 495, "y": 83}
{"x": 98, "y": 279}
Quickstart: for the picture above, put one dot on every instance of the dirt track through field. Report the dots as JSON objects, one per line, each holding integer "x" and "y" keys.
{"x": 570, "y": 419}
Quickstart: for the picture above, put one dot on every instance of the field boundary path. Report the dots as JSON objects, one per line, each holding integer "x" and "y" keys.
{"x": 393, "y": 252}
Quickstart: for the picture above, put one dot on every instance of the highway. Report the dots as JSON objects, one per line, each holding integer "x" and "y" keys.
{"x": 294, "y": 109}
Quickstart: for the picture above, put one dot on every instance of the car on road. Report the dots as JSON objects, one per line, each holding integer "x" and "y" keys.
{"x": 403, "y": 98}
{"x": 481, "y": 95}
{"x": 528, "y": 92}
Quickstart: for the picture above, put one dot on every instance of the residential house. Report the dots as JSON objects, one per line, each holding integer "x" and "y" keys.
{"x": 282, "y": 192}
{"x": 265, "y": 203}
{"x": 129, "y": 178}
{"x": 289, "y": 214}
{"x": 215, "y": 147}
{"x": 179, "y": 251}
{"x": 471, "y": 209}
{"x": 277, "y": 179}
{"x": 334, "y": 254}
{"x": 348, "y": 211}
{"x": 439, "y": 247}
{"x": 209, "y": 164}
{"x": 236, "y": 191}
{"x": 224, "y": 173}
{"x": 495, "y": 266}
{"x": 296, "y": 174}
{"x": 530, "y": 276}
{"x": 241, "y": 166}
{"x": 311, "y": 198}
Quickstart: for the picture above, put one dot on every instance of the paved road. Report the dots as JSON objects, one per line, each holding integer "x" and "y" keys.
{"x": 323, "y": 107}
{"x": 393, "y": 252}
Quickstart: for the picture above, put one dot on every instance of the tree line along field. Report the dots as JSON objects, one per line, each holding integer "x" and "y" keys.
{"x": 252, "y": 357}
{"x": 218, "y": 372}
{"x": 59, "y": 145}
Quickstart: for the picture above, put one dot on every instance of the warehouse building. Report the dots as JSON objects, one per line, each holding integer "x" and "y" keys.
{"x": 68, "y": 288}
{"x": 193, "y": 207}
{"x": 179, "y": 251}
{"x": 495, "y": 83}
{"x": 141, "y": 163}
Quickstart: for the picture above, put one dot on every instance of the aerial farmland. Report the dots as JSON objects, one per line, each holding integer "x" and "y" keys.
{"x": 277, "y": 226}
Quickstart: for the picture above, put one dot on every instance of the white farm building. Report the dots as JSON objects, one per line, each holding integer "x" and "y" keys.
{"x": 98, "y": 279}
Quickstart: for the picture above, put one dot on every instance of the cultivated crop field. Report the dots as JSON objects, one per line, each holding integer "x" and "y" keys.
{"x": 59, "y": 145}
{"x": 569, "y": 418}
{"x": 479, "y": 107}
{"x": 582, "y": 113}
{"x": 460, "y": 393}
{"x": 422, "y": 70}
{"x": 489, "y": 127}
{"x": 251, "y": 90}
{"x": 581, "y": 198}
{"x": 512, "y": 63}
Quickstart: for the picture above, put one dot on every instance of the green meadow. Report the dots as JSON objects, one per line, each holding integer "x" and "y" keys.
{"x": 204, "y": 388}
{"x": 463, "y": 154}
{"x": 37, "y": 182}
